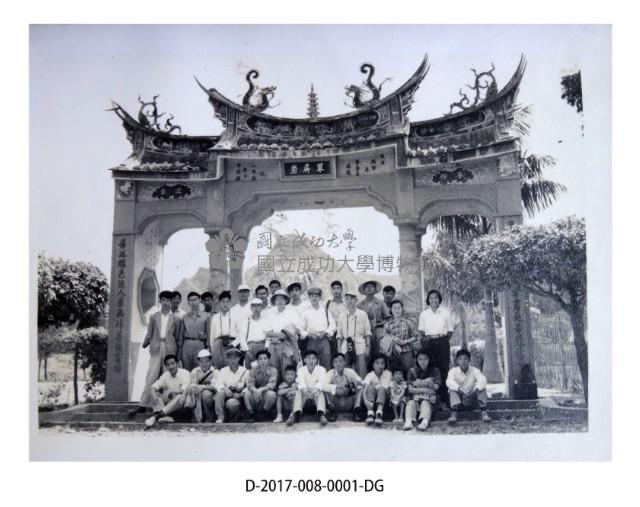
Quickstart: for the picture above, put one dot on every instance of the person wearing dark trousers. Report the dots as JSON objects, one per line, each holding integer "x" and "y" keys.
{"x": 436, "y": 328}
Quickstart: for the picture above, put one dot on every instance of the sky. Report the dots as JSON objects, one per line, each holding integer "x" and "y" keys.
{"x": 76, "y": 70}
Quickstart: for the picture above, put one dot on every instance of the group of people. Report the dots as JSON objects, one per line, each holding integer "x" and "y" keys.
{"x": 277, "y": 354}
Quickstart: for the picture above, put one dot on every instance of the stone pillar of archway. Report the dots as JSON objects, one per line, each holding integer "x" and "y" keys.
{"x": 226, "y": 255}
{"x": 410, "y": 264}
{"x": 519, "y": 350}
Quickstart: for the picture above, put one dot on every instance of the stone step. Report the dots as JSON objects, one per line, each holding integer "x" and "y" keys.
{"x": 492, "y": 404}
{"x": 65, "y": 417}
{"x": 463, "y": 426}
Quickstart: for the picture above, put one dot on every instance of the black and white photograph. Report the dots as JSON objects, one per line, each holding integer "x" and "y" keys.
{"x": 319, "y": 242}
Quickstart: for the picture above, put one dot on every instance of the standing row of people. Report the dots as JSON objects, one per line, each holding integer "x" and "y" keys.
{"x": 239, "y": 354}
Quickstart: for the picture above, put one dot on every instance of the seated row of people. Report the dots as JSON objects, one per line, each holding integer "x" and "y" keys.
{"x": 207, "y": 393}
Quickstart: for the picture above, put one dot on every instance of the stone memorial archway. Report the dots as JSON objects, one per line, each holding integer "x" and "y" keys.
{"x": 464, "y": 162}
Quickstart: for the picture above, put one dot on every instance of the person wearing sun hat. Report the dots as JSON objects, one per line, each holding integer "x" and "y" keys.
{"x": 354, "y": 334}
{"x": 317, "y": 327}
{"x": 375, "y": 309}
{"x": 283, "y": 335}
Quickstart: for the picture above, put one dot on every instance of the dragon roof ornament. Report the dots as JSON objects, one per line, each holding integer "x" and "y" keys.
{"x": 486, "y": 116}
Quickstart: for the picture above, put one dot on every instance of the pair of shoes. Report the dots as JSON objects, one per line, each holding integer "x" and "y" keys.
{"x": 250, "y": 417}
{"x": 397, "y": 420}
{"x": 291, "y": 420}
{"x": 323, "y": 419}
{"x": 278, "y": 419}
{"x": 166, "y": 419}
{"x": 453, "y": 418}
{"x": 485, "y": 417}
{"x": 138, "y": 410}
{"x": 424, "y": 424}
{"x": 407, "y": 426}
{"x": 378, "y": 419}
{"x": 369, "y": 419}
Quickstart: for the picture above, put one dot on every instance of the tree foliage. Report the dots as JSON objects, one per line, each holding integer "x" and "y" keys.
{"x": 548, "y": 260}
{"x": 572, "y": 90}
{"x": 70, "y": 293}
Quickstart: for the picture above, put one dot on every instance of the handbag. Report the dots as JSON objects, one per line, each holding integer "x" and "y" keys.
{"x": 386, "y": 345}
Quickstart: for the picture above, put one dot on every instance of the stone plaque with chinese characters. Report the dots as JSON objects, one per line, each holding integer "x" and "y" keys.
{"x": 308, "y": 169}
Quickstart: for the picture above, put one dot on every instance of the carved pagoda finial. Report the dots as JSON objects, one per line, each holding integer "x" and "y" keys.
{"x": 483, "y": 81}
{"x": 313, "y": 110}
{"x": 257, "y": 98}
{"x": 366, "y": 93}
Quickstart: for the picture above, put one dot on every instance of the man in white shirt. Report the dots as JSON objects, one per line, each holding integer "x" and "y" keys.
{"x": 310, "y": 380}
{"x": 200, "y": 394}
{"x": 262, "y": 293}
{"x": 232, "y": 380}
{"x": 222, "y": 330}
{"x": 317, "y": 327}
{"x": 336, "y": 306}
{"x": 467, "y": 387}
{"x": 294, "y": 290}
{"x": 436, "y": 327}
{"x": 168, "y": 392}
{"x": 253, "y": 333}
{"x": 274, "y": 286}
{"x": 283, "y": 336}
{"x": 354, "y": 334}
{"x": 242, "y": 309}
{"x": 343, "y": 388}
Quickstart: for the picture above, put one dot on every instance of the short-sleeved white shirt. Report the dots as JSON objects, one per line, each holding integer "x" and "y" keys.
{"x": 434, "y": 323}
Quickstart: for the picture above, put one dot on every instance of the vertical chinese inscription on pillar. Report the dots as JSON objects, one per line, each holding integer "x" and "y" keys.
{"x": 120, "y": 328}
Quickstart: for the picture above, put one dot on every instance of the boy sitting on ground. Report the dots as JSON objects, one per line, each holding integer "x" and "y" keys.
{"x": 286, "y": 393}
{"x": 467, "y": 387}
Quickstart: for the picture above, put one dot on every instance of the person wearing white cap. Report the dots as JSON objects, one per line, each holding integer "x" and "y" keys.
{"x": 242, "y": 309}
{"x": 200, "y": 393}
{"x": 317, "y": 327}
{"x": 283, "y": 336}
{"x": 253, "y": 332}
{"x": 354, "y": 334}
